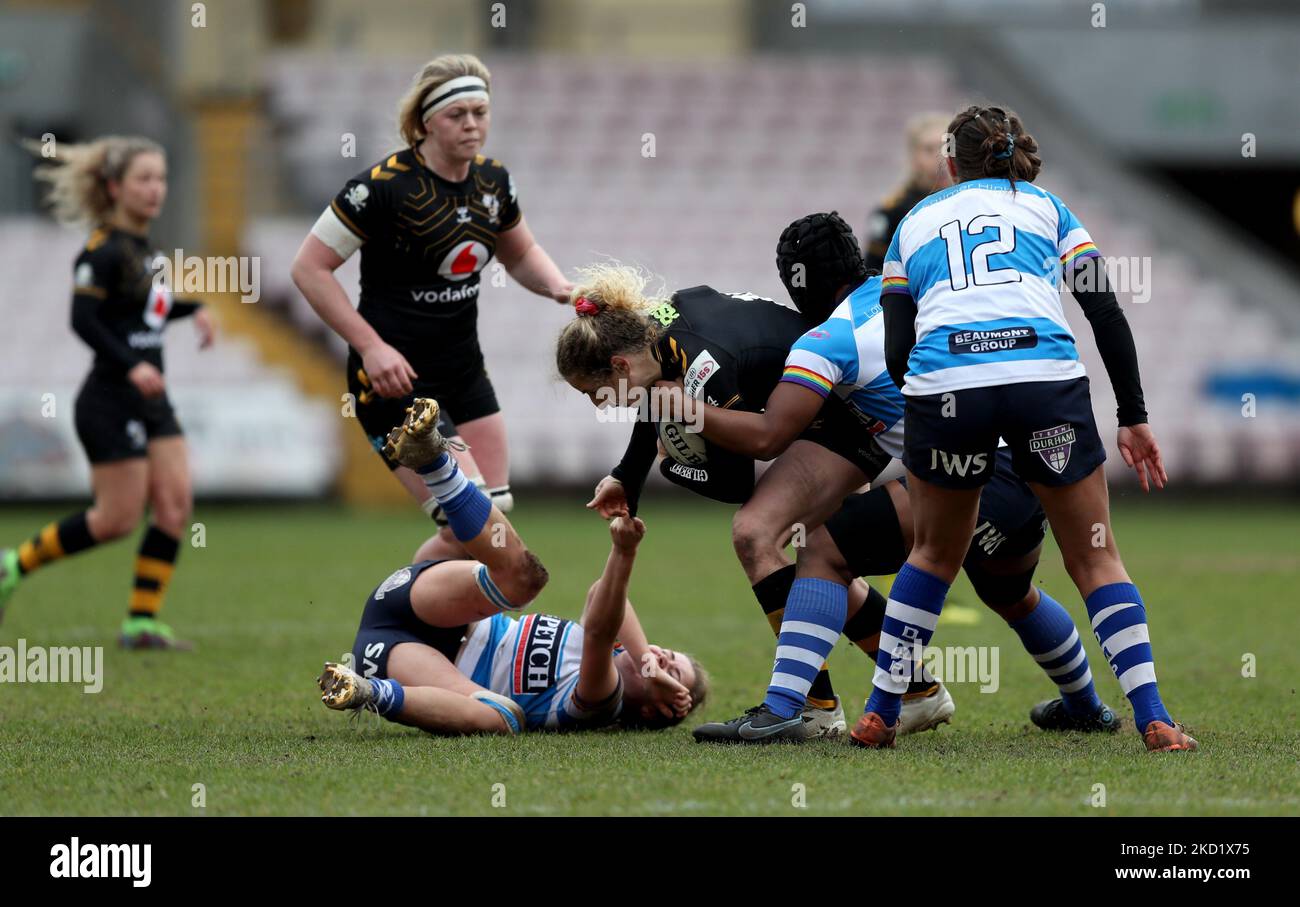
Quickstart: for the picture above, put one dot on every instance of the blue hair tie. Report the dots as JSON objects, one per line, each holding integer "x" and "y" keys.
{"x": 1011, "y": 147}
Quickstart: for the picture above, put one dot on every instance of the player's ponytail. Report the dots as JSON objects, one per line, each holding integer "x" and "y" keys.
{"x": 437, "y": 72}
{"x": 612, "y": 310}
{"x": 78, "y": 175}
{"x": 991, "y": 141}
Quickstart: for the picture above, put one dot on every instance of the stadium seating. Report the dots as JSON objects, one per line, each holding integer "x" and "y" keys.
{"x": 226, "y": 397}
{"x": 738, "y": 152}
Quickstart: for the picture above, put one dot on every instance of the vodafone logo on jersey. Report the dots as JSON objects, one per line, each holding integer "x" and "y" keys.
{"x": 464, "y": 260}
{"x": 158, "y": 306}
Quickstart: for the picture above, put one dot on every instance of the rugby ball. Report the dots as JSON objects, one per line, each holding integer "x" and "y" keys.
{"x": 682, "y": 445}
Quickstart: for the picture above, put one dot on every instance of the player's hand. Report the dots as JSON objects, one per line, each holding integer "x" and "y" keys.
{"x": 206, "y": 327}
{"x": 562, "y": 294}
{"x": 610, "y": 499}
{"x": 667, "y": 694}
{"x": 389, "y": 372}
{"x": 1138, "y": 447}
{"x": 627, "y": 532}
{"x": 147, "y": 380}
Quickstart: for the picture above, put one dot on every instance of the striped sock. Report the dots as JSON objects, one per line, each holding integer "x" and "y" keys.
{"x": 1049, "y": 636}
{"x": 55, "y": 541}
{"x": 814, "y": 617}
{"x": 1119, "y": 621}
{"x": 467, "y": 508}
{"x": 863, "y": 630}
{"x": 772, "y": 591}
{"x": 154, "y": 566}
{"x": 915, "y": 600}
{"x": 389, "y": 697}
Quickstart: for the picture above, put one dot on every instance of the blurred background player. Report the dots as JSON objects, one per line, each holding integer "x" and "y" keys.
{"x": 977, "y": 340}
{"x": 436, "y": 650}
{"x": 427, "y": 220}
{"x": 925, "y": 174}
{"x": 871, "y": 533}
{"x": 729, "y": 350}
{"x": 124, "y": 419}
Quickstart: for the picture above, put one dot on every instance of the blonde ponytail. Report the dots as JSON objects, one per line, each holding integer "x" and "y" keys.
{"x": 78, "y": 175}
{"x": 613, "y": 320}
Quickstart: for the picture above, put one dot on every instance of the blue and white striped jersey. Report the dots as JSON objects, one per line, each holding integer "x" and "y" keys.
{"x": 983, "y": 265}
{"x": 534, "y": 660}
{"x": 846, "y": 354}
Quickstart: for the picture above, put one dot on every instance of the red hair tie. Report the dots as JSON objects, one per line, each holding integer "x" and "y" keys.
{"x": 584, "y": 306}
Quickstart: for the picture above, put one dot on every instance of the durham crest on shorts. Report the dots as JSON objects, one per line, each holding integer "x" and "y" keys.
{"x": 1053, "y": 445}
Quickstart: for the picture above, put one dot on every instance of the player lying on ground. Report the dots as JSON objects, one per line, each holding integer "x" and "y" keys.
{"x": 437, "y": 651}
{"x": 871, "y": 534}
{"x": 729, "y": 348}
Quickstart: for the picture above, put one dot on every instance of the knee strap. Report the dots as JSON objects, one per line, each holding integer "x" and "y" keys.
{"x": 509, "y": 709}
{"x": 492, "y": 593}
{"x": 502, "y": 498}
{"x": 999, "y": 591}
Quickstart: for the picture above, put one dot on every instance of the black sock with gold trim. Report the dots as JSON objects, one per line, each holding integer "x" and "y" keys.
{"x": 55, "y": 541}
{"x": 153, "y": 571}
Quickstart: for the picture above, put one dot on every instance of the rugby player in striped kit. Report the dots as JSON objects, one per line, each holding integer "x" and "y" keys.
{"x": 976, "y": 337}
{"x": 871, "y": 533}
{"x": 437, "y": 649}
{"x": 729, "y": 349}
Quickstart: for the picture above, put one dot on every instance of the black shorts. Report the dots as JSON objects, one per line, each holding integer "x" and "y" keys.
{"x": 838, "y": 430}
{"x": 389, "y": 620}
{"x": 462, "y": 399}
{"x": 951, "y": 438}
{"x": 1011, "y": 523}
{"x": 115, "y": 422}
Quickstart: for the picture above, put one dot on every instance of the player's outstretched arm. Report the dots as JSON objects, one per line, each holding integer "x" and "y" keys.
{"x": 606, "y": 606}
{"x": 766, "y": 435}
{"x": 1090, "y": 287}
{"x": 527, "y": 262}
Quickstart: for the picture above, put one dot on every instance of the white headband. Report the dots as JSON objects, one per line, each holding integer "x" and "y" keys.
{"x": 458, "y": 89}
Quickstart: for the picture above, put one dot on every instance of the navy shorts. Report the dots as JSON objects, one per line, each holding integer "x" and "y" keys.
{"x": 951, "y": 438}
{"x": 1011, "y": 524}
{"x": 389, "y": 620}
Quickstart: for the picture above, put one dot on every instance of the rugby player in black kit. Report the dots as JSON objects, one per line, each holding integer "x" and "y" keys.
{"x": 124, "y": 419}
{"x": 729, "y": 350}
{"x": 427, "y": 220}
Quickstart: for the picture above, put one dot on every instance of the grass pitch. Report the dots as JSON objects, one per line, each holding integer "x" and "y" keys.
{"x": 276, "y": 591}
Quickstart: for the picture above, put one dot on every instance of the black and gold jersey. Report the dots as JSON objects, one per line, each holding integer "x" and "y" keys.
{"x": 885, "y": 220}
{"x": 728, "y": 350}
{"x": 425, "y": 241}
{"x": 118, "y": 307}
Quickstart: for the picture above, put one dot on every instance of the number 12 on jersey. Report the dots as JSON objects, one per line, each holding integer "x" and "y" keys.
{"x": 981, "y": 275}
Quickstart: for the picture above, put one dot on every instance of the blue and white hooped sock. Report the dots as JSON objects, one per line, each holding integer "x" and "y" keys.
{"x": 911, "y": 614}
{"x": 467, "y": 508}
{"x": 1119, "y": 620}
{"x": 1050, "y": 637}
{"x": 814, "y": 617}
{"x": 388, "y": 696}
